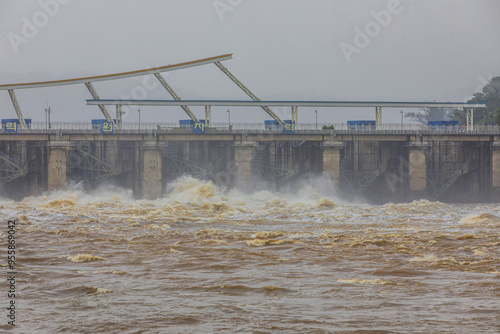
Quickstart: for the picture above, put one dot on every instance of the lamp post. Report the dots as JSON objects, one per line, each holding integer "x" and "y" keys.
{"x": 316, "y": 112}
{"x": 402, "y": 114}
{"x": 139, "y": 111}
{"x": 47, "y": 117}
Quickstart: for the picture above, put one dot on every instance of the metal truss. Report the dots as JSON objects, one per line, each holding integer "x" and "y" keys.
{"x": 95, "y": 169}
{"x": 104, "y": 111}
{"x": 247, "y": 91}
{"x": 118, "y": 76}
{"x": 293, "y": 143}
{"x": 164, "y": 83}
{"x": 9, "y": 170}
{"x": 279, "y": 173}
{"x": 19, "y": 113}
{"x": 298, "y": 143}
{"x": 442, "y": 181}
{"x": 285, "y": 103}
{"x": 88, "y": 82}
{"x": 359, "y": 180}
{"x": 181, "y": 166}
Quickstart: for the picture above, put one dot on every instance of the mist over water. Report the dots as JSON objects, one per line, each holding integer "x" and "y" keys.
{"x": 207, "y": 259}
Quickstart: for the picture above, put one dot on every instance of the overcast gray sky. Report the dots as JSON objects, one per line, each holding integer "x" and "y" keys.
{"x": 420, "y": 50}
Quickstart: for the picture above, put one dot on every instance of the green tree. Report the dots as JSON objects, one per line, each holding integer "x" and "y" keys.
{"x": 430, "y": 114}
{"x": 490, "y": 95}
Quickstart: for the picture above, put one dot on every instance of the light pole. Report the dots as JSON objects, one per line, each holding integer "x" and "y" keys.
{"x": 47, "y": 117}
{"x": 402, "y": 113}
{"x": 316, "y": 112}
{"x": 229, "y": 118}
{"x": 139, "y": 111}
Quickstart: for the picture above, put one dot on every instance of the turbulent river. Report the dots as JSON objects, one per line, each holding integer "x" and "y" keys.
{"x": 204, "y": 260}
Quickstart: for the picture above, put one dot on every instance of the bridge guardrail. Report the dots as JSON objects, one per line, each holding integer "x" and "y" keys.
{"x": 225, "y": 128}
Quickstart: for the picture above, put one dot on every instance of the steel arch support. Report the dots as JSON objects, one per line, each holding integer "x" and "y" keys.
{"x": 247, "y": 91}
{"x": 164, "y": 83}
{"x": 19, "y": 113}
{"x": 93, "y": 92}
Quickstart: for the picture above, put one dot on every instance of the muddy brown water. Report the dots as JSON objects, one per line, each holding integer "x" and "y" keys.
{"x": 202, "y": 260}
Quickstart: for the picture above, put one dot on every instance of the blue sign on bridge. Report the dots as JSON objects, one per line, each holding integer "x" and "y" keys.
{"x": 199, "y": 127}
{"x": 10, "y": 125}
{"x": 288, "y": 127}
{"x": 106, "y": 128}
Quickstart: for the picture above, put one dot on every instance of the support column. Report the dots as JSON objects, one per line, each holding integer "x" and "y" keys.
{"x": 295, "y": 114}
{"x": 119, "y": 114}
{"x": 243, "y": 157}
{"x": 152, "y": 185}
{"x": 331, "y": 161}
{"x": 58, "y": 165}
{"x": 470, "y": 118}
{"x": 418, "y": 166}
{"x": 208, "y": 116}
{"x": 378, "y": 118}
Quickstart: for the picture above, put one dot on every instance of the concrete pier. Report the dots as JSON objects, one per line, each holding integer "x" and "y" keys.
{"x": 58, "y": 165}
{"x": 152, "y": 184}
{"x": 243, "y": 159}
{"x": 331, "y": 160}
{"x": 418, "y": 166}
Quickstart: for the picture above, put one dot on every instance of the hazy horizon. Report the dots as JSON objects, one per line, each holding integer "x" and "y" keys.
{"x": 291, "y": 50}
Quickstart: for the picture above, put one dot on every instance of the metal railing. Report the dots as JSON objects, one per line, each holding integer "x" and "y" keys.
{"x": 301, "y": 128}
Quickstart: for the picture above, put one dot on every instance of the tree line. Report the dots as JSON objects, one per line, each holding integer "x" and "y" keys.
{"x": 490, "y": 94}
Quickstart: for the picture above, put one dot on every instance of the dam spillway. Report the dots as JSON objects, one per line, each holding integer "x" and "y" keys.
{"x": 379, "y": 166}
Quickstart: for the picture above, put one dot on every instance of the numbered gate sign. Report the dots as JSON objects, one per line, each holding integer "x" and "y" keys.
{"x": 198, "y": 127}
{"x": 10, "y": 127}
{"x": 106, "y": 128}
{"x": 288, "y": 127}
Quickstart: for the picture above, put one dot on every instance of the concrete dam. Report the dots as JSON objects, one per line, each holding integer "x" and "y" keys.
{"x": 376, "y": 166}
{"x": 447, "y": 164}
